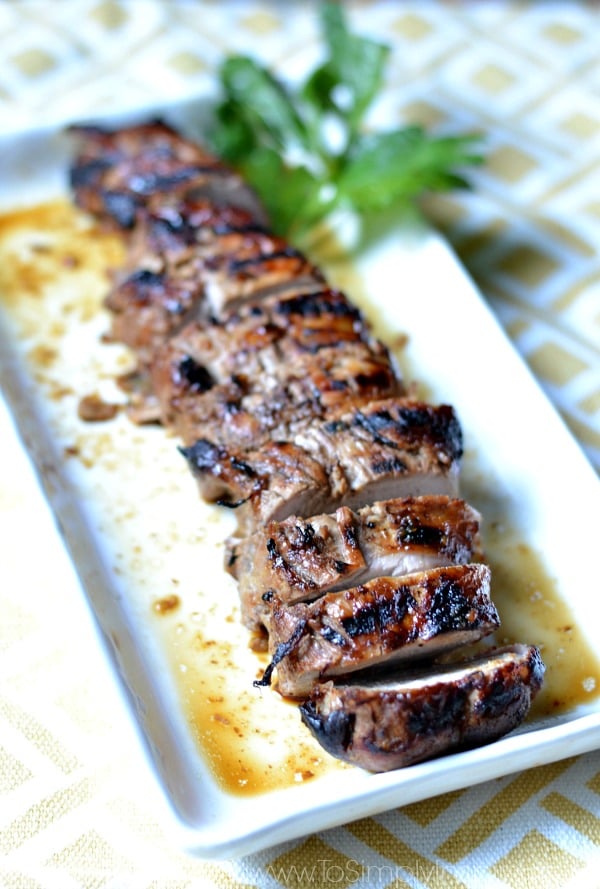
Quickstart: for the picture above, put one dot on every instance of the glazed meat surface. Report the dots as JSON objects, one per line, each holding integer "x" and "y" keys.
{"x": 307, "y": 354}
{"x": 300, "y": 559}
{"x": 388, "y": 449}
{"x": 116, "y": 174}
{"x": 387, "y": 620}
{"x": 404, "y": 719}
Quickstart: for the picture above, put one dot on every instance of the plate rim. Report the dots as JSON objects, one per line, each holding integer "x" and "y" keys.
{"x": 570, "y": 736}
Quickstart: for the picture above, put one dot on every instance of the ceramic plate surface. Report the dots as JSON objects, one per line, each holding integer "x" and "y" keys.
{"x": 240, "y": 770}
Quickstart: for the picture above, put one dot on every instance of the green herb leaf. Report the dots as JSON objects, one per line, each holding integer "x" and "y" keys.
{"x": 293, "y": 197}
{"x": 262, "y": 102}
{"x": 352, "y": 75}
{"x": 395, "y": 167}
{"x": 281, "y": 139}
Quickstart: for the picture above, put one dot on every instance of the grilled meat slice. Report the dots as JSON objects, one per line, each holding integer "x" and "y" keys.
{"x": 172, "y": 226}
{"x": 147, "y": 307}
{"x": 236, "y": 416}
{"x": 306, "y": 352}
{"x": 240, "y": 266}
{"x": 300, "y": 559}
{"x": 345, "y": 465}
{"x": 384, "y": 621}
{"x": 177, "y": 235}
{"x": 116, "y": 173}
{"x": 398, "y": 434}
{"x": 161, "y": 293}
{"x": 402, "y": 719}
{"x": 233, "y": 265}
{"x": 258, "y": 483}
{"x": 280, "y": 407}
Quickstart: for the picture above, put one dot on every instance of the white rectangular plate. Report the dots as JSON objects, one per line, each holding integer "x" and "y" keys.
{"x": 138, "y": 534}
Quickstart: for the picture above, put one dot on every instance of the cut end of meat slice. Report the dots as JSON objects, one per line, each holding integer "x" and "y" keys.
{"x": 387, "y": 621}
{"x": 405, "y": 448}
{"x": 300, "y": 559}
{"x": 407, "y": 719}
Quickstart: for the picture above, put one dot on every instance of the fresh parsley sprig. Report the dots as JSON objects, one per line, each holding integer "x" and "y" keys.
{"x": 306, "y": 151}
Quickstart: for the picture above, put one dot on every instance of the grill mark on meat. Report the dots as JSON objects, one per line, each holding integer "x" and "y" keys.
{"x": 148, "y": 183}
{"x": 120, "y": 206}
{"x": 404, "y": 719}
{"x": 204, "y": 454}
{"x": 316, "y": 303}
{"x": 411, "y": 423}
{"x": 281, "y": 565}
{"x": 331, "y": 635}
{"x": 87, "y": 173}
{"x": 390, "y": 466}
{"x": 195, "y": 374}
{"x": 385, "y": 620}
{"x": 367, "y": 620}
{"x": 410, "y": 531}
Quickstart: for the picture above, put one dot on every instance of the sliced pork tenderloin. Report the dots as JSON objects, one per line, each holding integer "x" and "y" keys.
{"x": 300, "y": 559}
{"x": 400, "y": 434}
{"x": 117, "y": 173}
{"x": 305, "y": 354}
{"x": 404, "y": 719}
{"x": 241, "y": 266}
{"x": 148, "y": 307}
{"x": 387, "y": 620}
{"x": 286, "y": 405}
{"x": 334, "y": 464}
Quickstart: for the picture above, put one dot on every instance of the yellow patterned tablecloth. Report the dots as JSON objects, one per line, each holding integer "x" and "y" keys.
{"x": 78, "y": 808}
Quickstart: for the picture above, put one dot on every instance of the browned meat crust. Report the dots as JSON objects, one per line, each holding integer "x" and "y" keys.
{"x": 386, "y": 620}
{"x": 117, "y": 173}
{"x": 407, "y": 719}
{"x": 301, "y": 559}
{"x": 299, "y": 355}
{"x": 381, "y": 451}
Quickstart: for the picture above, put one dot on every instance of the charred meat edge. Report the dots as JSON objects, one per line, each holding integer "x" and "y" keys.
{"x": 407, "y": 719}
{"x": 385, "y": 621}
{"x": 301, "y": 559}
